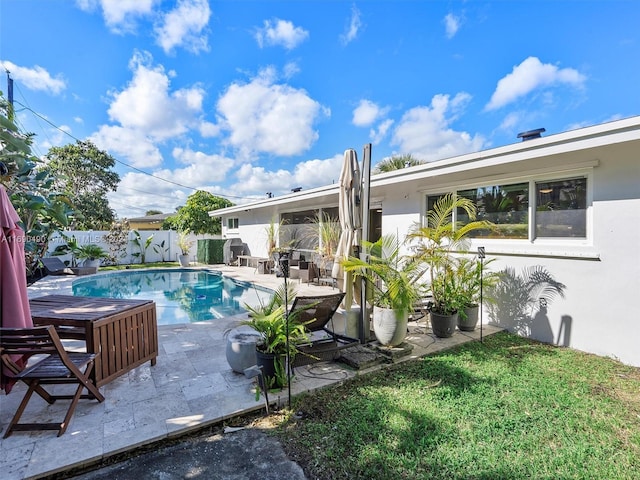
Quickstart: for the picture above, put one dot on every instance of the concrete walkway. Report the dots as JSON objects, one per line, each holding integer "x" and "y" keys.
{"x": 190, "y": 387}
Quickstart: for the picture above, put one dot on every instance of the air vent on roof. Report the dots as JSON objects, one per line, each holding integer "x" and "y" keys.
{"x": 297, "y": 189}
{"x": 531, "y": 134}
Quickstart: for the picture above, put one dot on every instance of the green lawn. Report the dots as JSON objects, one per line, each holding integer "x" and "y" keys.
{"x": 506, "y": 409}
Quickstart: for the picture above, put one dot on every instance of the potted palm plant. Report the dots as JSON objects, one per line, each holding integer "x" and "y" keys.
{"x": 91, "y": 254}
{"x": 473, "y": 279}
{"x": 396, "y": 285}
{"x": 270, "y": 320}
{"x": 184, "y": 244}
{"x": 437, "y": 243}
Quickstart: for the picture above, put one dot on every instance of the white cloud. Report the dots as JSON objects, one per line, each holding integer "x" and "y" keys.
{"x": 201, "y": 169}
{"x": 147, "y": 104}
{"x": 120, "y": 15}
{"x": 290, "y": 69}
{"x": 36, "y": 78}
{"x": 426, "y": 131}
{"x": 129, "y": 143}
{"x": 183, "y": 26}
{"x": 366, "y": 113}
{"x": 265, "y": 117}
{"x": 451, "y": 25}
{"x": 351, "y": 31}
{"x": 309, "y": 174}
{"x": 530, "y": 75}
{"x": 280, "y": 32}
{"x": 138, "y": 193}
{"x": 377, "y": 134}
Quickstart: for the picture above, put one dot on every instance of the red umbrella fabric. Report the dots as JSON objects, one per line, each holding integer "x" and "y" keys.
{"x": 14, "y": 302}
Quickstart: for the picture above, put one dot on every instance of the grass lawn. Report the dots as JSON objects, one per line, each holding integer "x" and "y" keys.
{"x": 506, "y": 409}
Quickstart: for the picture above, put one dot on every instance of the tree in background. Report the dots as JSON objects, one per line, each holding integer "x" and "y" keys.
{"x": 194, "y": 216}
{"x": 41, "y": 208}
{"x": 83, "y": 172}
{"x": 152, "y": 212}
{"x": 396, "y": 163}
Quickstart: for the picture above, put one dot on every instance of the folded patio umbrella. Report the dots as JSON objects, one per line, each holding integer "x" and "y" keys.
{"x": 14, "y": 301}
{"x": 349, "y": 210}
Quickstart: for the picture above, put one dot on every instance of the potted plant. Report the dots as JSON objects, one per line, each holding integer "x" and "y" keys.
{"x": 437, "y": 243}
{"x": 184, "y": 244}
{"x": 91, "y": 254}
{"x": 396, "y": 285}
{"x": 473, "y": 278}
{"x": 270, "y": 321}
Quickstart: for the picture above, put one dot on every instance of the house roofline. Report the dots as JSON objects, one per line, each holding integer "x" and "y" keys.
{"x": 616, "y": 131}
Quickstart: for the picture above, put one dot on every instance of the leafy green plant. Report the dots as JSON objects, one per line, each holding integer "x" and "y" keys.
{"x": 269, "y": 319}
{"x": 436, "y": 243}
{"x": 141, "y": 246}
{"x": 184, "y": 243}
{"x": 394, "y": 278}
{"x": 161, "y": 248}
{"x": 472, "y": 276}
{"x": 90, "y": 251}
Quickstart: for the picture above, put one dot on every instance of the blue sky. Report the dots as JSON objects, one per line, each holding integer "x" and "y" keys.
{"x": 241, "y": 98}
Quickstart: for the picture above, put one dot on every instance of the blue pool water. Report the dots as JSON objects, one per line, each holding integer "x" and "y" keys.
{"x": 181, "y": 296}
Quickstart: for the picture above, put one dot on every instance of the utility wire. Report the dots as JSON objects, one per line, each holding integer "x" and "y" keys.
{"x": 26, "y": 107}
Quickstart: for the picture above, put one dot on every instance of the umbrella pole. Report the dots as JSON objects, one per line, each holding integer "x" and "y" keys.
{"x": 364, "y": 327}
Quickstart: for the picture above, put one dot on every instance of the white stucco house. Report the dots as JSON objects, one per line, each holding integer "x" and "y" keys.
{"x": 567, "y": 203}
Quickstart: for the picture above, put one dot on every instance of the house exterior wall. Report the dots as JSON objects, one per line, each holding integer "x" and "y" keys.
{"x": 601, "y": 273}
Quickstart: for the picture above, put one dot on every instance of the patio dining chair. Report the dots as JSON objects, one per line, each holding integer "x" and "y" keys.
{"x": 52, "y": 365}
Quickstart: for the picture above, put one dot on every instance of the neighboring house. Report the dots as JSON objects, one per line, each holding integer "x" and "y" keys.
{"x": 150, "y": 222}
{"x": 568, "y": 203}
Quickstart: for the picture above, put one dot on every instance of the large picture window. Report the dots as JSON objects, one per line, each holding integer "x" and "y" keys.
{"x": 560, "y": 208}
{"x": 507, "y": 206}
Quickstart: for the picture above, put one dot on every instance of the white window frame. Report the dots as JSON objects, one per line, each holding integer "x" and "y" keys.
{"x": 233, "y": 223}
{"x": 543, "y": 246}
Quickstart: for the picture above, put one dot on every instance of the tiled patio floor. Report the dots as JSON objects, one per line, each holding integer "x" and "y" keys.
{"x": 191, "y": 386}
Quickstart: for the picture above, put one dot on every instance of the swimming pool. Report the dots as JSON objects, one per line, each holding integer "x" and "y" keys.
{"x": 181, "y": 296}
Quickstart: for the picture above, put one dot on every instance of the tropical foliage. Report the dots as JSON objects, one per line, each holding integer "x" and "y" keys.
{"x": 84, "y": 174}
{"x": 194, "y": 216}
{"x": 396, "y": 162}
{"x": 394, "y": 278}
{"x": 271, "y": 320}
{"x": 438, "y": 240}
{"x": 42, "y": 208}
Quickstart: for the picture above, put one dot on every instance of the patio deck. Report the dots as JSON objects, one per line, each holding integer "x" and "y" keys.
{"x": 190, "y": 387}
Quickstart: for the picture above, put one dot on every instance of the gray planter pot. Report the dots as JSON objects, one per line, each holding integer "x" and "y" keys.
{"x": 469, "y": 323}
{"x": 91, "y": 263}
{"x": 443, "y": 326}
{"x": 390, "y": 329}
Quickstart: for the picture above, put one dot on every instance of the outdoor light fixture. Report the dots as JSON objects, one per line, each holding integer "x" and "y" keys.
{"x": 283, "y": 262}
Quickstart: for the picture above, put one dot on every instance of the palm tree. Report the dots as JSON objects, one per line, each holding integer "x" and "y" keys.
{"x": 397, "y": 162}
{"x": 438, "y": 240}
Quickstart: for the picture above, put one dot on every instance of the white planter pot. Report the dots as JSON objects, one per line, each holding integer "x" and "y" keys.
{"x": 93, "y": 263}
{"x": 184, "y": 260}
{"x": 389, "y": 327}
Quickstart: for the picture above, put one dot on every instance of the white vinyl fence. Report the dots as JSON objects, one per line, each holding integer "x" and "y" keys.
{"x": 163, "y": 245}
